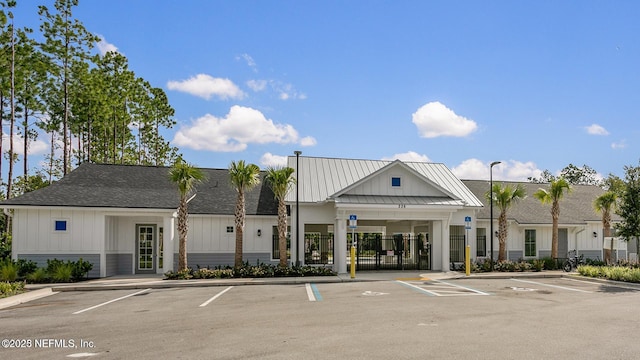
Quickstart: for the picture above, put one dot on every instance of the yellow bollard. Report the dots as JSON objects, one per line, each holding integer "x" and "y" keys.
{"x": 467, "y": 260}
{"x": 353, "y": 262}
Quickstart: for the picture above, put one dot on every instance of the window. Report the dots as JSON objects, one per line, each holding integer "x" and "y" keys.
{"x": 229, "y": 229}
{"x": 61, "y": 225}
{"x": 481, "y": 242}
{"x": 529, "y": 243}
{"x": 395, "y": 181}
{"x": 275, "y": 253}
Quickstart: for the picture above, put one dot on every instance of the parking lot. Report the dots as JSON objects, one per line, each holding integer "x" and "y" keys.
{"x": 400, "y": 318}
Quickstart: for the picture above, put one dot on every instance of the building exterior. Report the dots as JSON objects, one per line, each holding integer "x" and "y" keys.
{"x": 530, "y": 224}
{"x": 122, "y": 218}
{"x": 404, "y": 211}
{"x": 399, "y": 215}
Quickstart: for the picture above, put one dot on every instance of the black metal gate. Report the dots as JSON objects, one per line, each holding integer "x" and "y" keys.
{"x": 395, "y": 252}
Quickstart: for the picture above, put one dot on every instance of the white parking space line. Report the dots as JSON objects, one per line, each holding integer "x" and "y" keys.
{"x": 110, "y": 301}
{"x": 442, "y": 288}
{"x": 553, "y": 286}
{"x": 312, "y": 292}
{"x": 418, "y": 288}
{"x": 463, "y": 287}
{"x": 215, "y": 296}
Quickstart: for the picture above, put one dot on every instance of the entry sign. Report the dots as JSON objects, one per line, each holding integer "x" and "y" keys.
{"x": 353, "y": 221}
{"x": 467, "y": 220}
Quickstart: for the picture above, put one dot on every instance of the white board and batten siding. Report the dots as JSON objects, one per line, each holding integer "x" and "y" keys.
{"x": 35, "y": 229}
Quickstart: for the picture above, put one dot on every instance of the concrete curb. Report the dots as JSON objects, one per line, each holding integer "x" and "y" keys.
{"x": 25, "y": 297}
{"x": 167, "y": 284}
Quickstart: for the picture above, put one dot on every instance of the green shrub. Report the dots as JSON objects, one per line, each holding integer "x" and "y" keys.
{"x": 537, "y": 265}
{"x": 62, "y": 273}
{"x": 179, "y": 275}
{"x": 594, "y": 262}
{"x": 259, "y": 270}
{"x": 552, "y": 264}
{"x": 11, "y": 288}
{"x": 8, "y": 270}
{"x": 81, "y": 269}
{"x": 40, "y": 275}
{"x": 26, "y": 267}
{"x": 5, "y": 247}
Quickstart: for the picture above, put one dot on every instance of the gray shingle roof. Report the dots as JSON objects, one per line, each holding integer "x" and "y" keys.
{"x": 144, "y": 187}
{"x": 575, "y": 207}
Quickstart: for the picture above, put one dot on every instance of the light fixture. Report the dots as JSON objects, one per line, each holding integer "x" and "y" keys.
{"x": 496, "y": 234}
{"x": 259, "y": 232}
{"x": 491, "y": 204}
{"x": 595, "y": 234}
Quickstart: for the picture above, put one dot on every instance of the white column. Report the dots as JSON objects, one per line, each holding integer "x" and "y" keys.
{"x": 103, "y": 245}
{"x": 340, "y": 246}
{"x": 445, "y": 244}
{"x": 168, "y": 242}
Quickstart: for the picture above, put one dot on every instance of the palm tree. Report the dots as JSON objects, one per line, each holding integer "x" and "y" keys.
{"x": 243, "y": 177}
{"x": 280, "y": 181}
{"x": 185, "y": 176}
{"x": 504, "y": 196}
{"x": 553, "y": 195}
{"x": 604, "y": 204}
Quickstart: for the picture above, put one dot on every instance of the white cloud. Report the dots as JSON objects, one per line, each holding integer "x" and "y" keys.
{"x": 511, "y": 170}
{"x": 619, "y": 145}
{"x": 595, "y": 129}
{"x": 287, "y": 91}
{"x": 240, "y": 127}
{"x": 409, "y": 156}
{"x": 257, "y": 85}
{"x": 250, "y": 62}
{"x": 308, "y": 141}
{"x": 105, "y": 47}
{"x": 270, "y": 160}
{"x": 434, "y": 119}
{"x": 36, "y": 147}
{"x": 205, "y": 86}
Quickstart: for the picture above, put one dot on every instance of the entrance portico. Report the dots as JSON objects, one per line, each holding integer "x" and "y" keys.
{"x": 411, "y": 204}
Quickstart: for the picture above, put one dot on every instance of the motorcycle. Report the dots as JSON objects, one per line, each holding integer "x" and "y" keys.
{"x": 573, "y": 261}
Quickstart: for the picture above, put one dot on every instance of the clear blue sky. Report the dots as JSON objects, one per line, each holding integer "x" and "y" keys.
{"x": 534, "y": 84}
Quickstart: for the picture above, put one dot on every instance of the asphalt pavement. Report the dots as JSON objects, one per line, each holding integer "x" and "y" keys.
{"x": 125, "y": 282}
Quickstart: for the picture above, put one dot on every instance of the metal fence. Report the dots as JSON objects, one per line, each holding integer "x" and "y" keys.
{"x": 318, "y": 249}
{"x": 395, "y": 252}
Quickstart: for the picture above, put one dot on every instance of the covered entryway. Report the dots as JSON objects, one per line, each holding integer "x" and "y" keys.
{"x": 394, "y": 252}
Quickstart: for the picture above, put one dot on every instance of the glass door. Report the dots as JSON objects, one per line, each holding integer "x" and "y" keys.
{"x": 145, "y": 248}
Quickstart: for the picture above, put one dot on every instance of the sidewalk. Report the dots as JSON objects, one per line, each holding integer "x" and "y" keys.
{"x": 132, "y": 282}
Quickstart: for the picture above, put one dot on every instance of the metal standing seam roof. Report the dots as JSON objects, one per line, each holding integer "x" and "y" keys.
{"x": 320, "y": 178}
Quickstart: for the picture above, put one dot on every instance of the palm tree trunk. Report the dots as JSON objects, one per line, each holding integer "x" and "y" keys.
{"x": 502, "y": 236}
{"x": 183, "y": 227}
{"x": 282, "y": 231}
{"x": 239, "y": 215}
{"x": 555, "y": 214}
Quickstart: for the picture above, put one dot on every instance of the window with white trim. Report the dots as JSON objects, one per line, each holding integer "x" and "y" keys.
{"x": 529, "y": 242}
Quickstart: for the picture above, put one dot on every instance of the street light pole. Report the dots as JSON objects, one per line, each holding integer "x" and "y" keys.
{"x": 297, "y": 152}
{"x": 491, "y": 206}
